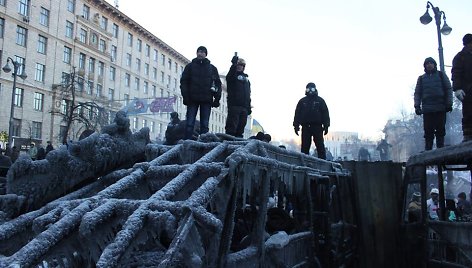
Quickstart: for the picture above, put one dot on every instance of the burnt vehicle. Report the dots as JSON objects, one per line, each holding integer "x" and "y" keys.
{"x": 215, "y": 202}
{"x": 438, "y": 237}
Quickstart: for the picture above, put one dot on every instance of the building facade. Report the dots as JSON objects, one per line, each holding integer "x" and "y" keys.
{"x": 110, "y": 59}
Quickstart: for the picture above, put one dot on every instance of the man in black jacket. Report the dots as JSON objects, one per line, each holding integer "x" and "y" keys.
{"x": 200, "y": 86}
{"x": 462, "y": 84}
{"x": 239, "y": 98}
{"x": 313, "y": 115}
{"x": 433, "y": 98}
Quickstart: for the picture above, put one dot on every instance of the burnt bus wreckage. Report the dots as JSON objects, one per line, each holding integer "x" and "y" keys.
{"x": 444, "y": 242}
{"x": 116, "y": 200}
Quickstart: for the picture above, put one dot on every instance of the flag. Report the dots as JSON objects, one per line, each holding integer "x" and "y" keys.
{"x": 256, "y": 127}
{"x": 136, "y": 106}
{"x": 165, "y": 105}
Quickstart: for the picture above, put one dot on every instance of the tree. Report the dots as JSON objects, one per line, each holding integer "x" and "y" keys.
{"x": 85, "y": 115}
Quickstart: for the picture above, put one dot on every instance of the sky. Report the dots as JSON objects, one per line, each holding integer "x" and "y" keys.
{"x": 364, "y": 56}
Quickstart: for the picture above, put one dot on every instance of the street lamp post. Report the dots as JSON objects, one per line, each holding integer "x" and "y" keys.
{"x": 426, "y": 18}
{"x": 7, "y": 69}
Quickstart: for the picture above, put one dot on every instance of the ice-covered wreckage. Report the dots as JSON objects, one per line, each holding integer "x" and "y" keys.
{"x": 116, "y": 200}
{"x": 446, "y": 241}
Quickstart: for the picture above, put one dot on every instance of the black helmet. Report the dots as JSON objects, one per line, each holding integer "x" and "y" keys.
{"x": 311, "y": 89}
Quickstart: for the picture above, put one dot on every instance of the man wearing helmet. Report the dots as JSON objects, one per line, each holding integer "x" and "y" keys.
{"x": 239, "y": 98}
{"x": 313, "y": 115}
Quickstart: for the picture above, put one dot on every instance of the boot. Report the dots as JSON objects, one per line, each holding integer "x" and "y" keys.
{"x": 439, "y": 142}
{"x": 428, "y": 144}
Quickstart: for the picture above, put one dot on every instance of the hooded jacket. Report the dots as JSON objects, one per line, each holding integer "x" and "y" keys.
{"x": 433, "y": 91}
{"x": 196, "y": 82}
{"x": 311, "y": 109}
{"x": 462, "y": 71}
{"x": 239, "y": 88}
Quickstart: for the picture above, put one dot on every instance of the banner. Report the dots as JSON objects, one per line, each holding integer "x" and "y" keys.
{"x": 165, "y": 105}
{"x": 136, "y": 106}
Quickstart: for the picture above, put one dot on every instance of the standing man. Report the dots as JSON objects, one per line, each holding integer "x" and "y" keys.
{"x": 383, "y": 149}
{"x": 49, "y": 147}
{"x": 200, "y": 86}
{"x": 433, "y": 98}
{"x": 462, "y": 84}
{"x": 239, "y": 98}
{"x": 313, "y": 115}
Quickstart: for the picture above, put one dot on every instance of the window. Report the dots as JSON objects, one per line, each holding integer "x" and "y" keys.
{"x": 102, "y": 46}
{"x": 2, "y": 2}
{"x": 90, "y": 87}
{"x": 71, "y": 5}
{"x": 163, "y": 57}
{"x": 23, "y": 7}
{"x": 69, "y": 29}
{"x": 136, "y": 83}
{"x": 145, "y": 87}
{"x": 144, "y": 123}
{"x": 154, "y": 73}
{"x": 86, "y": 12}
{"x": 162, "y": 77}
{"x": 101, "y": 68}
{"x": 126, "y": 97}
{"x": 148, "y": 50}
{"x": 139, "y": 45}
{"x": 168, "y": 81}
{"x": 175, "y": 83}
{"x": 138, "y": 65}
{"x": 65, "y": 79}
{"x": 18, "y": 101}
{"x": 127, "y": 80}
{"x": 146, "y": 69}
{"x": 176, "y": 67}
{"x": 112, "y": 73}
{"x": 2, "y": 27}
{"x": 151, "y": 128}
{"x": 154, "y": 91}
{"x": 16, "y": 127}
{"x": 155, "y": 55}
{"x": 98, "y": 91}
{"x": 130, "y": 39}
{"x": 111, "y": 94}
{"x": 83, "y": 35}
{"x": 169, "y": 64}
{"x": 62, "y": 131}
{"x": 21, "y": 34}
{"x": 82, "y": 61}
{"x": 22, "y": 63}
{"x": 42, "y": 44}
{"x": 44, "y": 17}
{"x": 36, "y": 130}
{"x": 94, "y": 40}
{"x": 91, "y": 66}
{"x": 38, "y": 101}
{"x": 113, "y": 53}
{"x": 128, "y": 59}
{"x": 39, "y": 74}
{"x": 65, "y": 105}
{"x": 114, "y": 30}
{"x": 135, "y": 123}
{"x": 80, "y": 84}
{"x": 104, "y": 23}
{"x": 67, "y": 54}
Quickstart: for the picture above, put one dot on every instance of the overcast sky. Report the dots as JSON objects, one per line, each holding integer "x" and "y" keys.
{"x": 364, "y": 56}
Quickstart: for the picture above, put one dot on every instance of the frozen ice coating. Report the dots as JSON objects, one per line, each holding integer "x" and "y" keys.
{"x": 114, "y": 199}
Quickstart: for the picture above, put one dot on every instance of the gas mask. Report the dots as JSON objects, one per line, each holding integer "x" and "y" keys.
{"x": 311, "y": 91}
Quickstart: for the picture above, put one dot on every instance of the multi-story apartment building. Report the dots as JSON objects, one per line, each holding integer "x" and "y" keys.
{"x": 114, "y": 60}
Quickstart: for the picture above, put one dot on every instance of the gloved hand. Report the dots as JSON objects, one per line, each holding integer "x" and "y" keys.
{"x": 418, "y": 111}
{"x": 449, "y": 109}
{"x": 249, "y": 111}
{"x": 297, "y": 128}
{"x": 215, "y": 103}
{"x": 325, "y": 128}
{"x": 460, "y": 94}
{"x": 234, "y": 60}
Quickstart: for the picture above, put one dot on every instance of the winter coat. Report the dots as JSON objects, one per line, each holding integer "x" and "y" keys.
{"x": 239, "y": 89}
{"x": 197, "y": 80}
{"x": 433, "y": 93}
{"x": 311, "y": 109}
{"x": 462, "y": 71}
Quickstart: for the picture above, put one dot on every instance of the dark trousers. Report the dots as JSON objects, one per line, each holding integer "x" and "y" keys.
{"x": 434, "y": 125}
{"x": 192, "y": 109}
{"x": 467, "y": 117}
{"x": 315, "y": 131}
{"x": 236, "y": 121}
